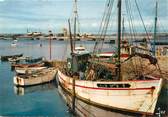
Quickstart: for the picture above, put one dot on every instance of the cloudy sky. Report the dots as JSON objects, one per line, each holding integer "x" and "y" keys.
{"x": 16, "y": 16}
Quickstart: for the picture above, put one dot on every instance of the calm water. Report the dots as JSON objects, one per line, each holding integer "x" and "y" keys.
{"x": 45, "y": 100}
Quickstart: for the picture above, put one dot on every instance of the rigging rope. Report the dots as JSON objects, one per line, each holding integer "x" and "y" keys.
{"x": 104, "y": 26}
{"x": 142, "y": 19}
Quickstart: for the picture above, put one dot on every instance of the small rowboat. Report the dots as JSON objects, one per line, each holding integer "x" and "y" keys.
{"x": 5, "y": 58}
{"x": 44, "y": 76}
{"x": 13, "y": 59}
{"x": 17, "y": 59}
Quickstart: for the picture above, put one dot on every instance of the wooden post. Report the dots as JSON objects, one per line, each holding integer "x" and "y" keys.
{"x": 73, "y": 80}
{"x": 50, "y": 34}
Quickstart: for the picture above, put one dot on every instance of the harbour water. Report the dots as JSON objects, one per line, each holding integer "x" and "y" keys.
{"x": 47, "y": 99}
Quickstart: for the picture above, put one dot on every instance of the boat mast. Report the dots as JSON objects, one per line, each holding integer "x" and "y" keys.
{"x": 123, "y": 29}
{"x": 73, "y": 80}
{"x": 70, "y": 35}
{"x": 75, "y": 18}
{"x": 119, "y": 38}
{"x": 155, "y": 29}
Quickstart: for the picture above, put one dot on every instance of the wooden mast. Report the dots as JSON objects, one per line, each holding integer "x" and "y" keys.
{"x": 155, "y": 29}
{"x": 75, "y": 18}
{"x": 119, "y": 39}
{"x": 73, "y": 81}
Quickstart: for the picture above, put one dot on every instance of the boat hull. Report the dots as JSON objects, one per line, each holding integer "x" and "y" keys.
{"x": 17, "y": 66}
{"x": 35, "y": 79}
{"x": 141, "y": 97}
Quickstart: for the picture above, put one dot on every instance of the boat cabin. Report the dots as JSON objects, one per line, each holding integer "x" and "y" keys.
{"x": 78, "y": 62}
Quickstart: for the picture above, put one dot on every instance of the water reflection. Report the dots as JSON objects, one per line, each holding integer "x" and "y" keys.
{"x": 37, "y": 88}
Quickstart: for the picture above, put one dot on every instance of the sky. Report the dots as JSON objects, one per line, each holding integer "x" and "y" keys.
{"x": 16, "y": 16}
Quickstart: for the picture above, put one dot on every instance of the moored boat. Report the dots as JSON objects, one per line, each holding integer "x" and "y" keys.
{"x": 80, "y": 49}
{"x": 44, "y": 76}
{"x": 15, "y": 66}
{"x": 5, "y": 58}
{"x": 34, "y": 60}
{"x": 139, "y": 96}
{"x": 13, "y": 44}
{"x": 104, "y": 86}
{"x": 13, "y": 59}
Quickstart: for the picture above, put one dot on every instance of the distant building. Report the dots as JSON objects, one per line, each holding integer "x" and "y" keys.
{"x": 65, "y": 32}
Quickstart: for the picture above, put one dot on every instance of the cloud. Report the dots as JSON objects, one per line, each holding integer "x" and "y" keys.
{"x": 40, "y": 14}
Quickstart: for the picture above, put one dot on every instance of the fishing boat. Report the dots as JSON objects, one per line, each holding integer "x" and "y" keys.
{"x": 139, "y": 96}
{"x": 34, "y": 60}
{"x": 103, "y": 86}
{"x": 44, "y": 76}
{"x": 5, "y": 58}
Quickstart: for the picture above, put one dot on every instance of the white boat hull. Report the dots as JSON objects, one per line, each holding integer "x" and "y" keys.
{"x": 44, "y": 77}
{"x": 141, "y": 97}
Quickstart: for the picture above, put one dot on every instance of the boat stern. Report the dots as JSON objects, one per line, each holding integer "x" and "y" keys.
{"x": 18, "y": 81}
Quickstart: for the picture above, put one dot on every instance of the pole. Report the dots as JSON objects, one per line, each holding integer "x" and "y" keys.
{"x": 50, "y": 47}
{"x": 73, "y": 80}
{"x": 119, "y": 38}
{"x": 74, "y": 31}
{"x": 155, "y": 29}
{"x": 50, "y": 34}
{"x": 70, "y": 35}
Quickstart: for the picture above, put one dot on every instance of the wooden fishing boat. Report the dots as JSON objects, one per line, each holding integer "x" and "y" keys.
{"x": 5, "y": 58}
{"x": 139, "y": 96}
{"x": 45, "y": 75}
{"x": 100, "y": 85}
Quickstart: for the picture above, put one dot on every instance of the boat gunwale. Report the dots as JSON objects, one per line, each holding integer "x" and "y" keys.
{"x": 101, "y": 88}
